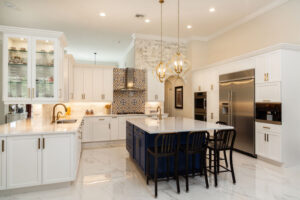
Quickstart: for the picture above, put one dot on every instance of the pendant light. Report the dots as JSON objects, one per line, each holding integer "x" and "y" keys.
{"x": 161, "y": 68}
{"x": 179, "y": 63}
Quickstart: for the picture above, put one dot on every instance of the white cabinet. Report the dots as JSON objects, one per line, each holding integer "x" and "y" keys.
{"x": 103, "y": 84}
{"x": 2, "y": 163}
{"x": 268, "y": 92}
{"x": 93, "y": 84}
{"x": 69, "y": 63}
{"x": 87, "y": 134}
{"x": 57, "y": 158}
{"x": 23, "y": 161}
{"x": 268, "y": 67}
{"x": 122, "y": 128}
{"x": 31, "y": 69}
{"x": 155, "y": 89}
{"x": 114, "y": 124}
{"x": 268, "y": 141}
{"x": 101, "y": 129}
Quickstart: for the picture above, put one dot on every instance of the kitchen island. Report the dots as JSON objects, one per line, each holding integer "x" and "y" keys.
{"x": 141, "y": 133}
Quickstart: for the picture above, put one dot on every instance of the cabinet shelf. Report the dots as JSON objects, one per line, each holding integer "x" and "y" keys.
{"x": 45, "y": 65}
{"x": 12, "y": 64}
{"x": 18, "y": 51}
{"x": 42, "y": 52}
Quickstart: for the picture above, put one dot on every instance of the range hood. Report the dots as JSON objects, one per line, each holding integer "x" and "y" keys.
{"x": 129, "y": 81}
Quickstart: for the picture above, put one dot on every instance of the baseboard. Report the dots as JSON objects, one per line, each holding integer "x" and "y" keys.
{"x": 106, "y": 144}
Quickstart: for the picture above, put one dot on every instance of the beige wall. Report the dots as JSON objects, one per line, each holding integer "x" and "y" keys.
{"x": 280, "y": 25}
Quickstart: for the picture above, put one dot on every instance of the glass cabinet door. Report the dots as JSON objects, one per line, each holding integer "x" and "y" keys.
{"x": 18, "y": 71}
{"x": 44, "y": 68}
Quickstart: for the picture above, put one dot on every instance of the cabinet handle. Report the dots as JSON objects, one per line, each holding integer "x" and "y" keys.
{"x": 109, "y": 125}
{"x": 102, "y": 96}
{"x": 39, "y": 143}
{"x": 211, "y": 115}
{"x": 43, "y": 143}
{"x": 32, "y": 94}
{"x": 3, "y": 148}
{"x": 265, "y": 127}
{"x": 267, "y": 137}
{"x": 156, "y": 97}
{"x": 29, "y": 93}
{"x": 101, "y": 119}
{"x": 266, "y": 100}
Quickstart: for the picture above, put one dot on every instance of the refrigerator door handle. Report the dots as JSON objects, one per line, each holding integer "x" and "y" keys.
{"x": 231, "y": 120}
{"x": 229, "y": 112}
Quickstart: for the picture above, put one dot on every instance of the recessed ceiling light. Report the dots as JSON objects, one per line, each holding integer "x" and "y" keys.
{"x": 22, "y": 38}
{"x": 189, "y": 26}
{"x": 212, "y": 10}
{"x": 102, "y": 14}
{"x": 147, "y": 20}
{"x": 47, "y": 41}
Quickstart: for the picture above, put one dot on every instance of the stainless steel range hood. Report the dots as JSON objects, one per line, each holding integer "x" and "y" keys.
{"x": 129, "y": 81}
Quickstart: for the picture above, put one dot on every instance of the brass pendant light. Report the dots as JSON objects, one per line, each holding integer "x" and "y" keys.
{"x": 161, "y": 68}
{"x": 179, "y": 63}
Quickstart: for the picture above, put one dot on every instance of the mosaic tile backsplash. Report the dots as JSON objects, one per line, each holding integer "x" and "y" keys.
{"x": 129, "y": 101}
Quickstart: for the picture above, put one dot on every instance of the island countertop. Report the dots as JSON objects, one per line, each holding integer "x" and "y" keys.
{"x": 38, "y": 126}
{"x": 175, "y": 124}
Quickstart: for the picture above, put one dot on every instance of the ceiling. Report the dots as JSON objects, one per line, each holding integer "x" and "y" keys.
{"x": 109, "y": 36}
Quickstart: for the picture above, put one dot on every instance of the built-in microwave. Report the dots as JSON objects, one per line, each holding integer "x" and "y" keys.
{"x": 200, "y": 106}
{"x": 268, "y": 113}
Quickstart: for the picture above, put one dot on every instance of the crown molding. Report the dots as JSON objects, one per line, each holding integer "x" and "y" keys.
{"x": 157, "y": 37}
{"x": 34, "y": 32}
{"x": 248, "y": 18}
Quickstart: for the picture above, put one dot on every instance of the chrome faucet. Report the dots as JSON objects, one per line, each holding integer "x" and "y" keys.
{"x": 159, "y": 115}
{"x": 54, "y": 107}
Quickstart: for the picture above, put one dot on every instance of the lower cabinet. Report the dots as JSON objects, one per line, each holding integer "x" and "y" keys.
{"x": 87, "y": 135}
{"x": 268, "y": 142}
{"x": 2, "y": 163}
{"x": 139, "y": 142}
{"x": 39, "y": 159}
{"x": 57, "y": 158}
{"x": 122, "y": 128}
{"x": 24, "y": 159}
{"x": 114, "y": 127}
{"x": 101, "y": 129}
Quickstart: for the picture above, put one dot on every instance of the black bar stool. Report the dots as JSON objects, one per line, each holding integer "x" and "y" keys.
{"x": 165, "y": 145}
{"x": 223, "y": 141}
{"x": 196, "y": 143}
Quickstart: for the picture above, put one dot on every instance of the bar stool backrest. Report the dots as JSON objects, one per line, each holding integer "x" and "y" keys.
{"x": 197, "y": 141}
{"x": 224, "y": 139}
{"x": 167, "y": 143}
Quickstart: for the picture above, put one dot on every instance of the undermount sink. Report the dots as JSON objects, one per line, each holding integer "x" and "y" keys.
{"x": 66, "y": 121}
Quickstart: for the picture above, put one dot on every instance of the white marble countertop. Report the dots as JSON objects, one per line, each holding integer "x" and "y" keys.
{"x": 175, "y": 124}
{"x": 38, "y": 126}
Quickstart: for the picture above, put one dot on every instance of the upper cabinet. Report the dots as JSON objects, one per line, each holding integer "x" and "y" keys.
{"x": 93, "y": 83}
{"x": 31, "y": 69}
{"x": 155, "y": 89}
{"x": 268, "y": 67}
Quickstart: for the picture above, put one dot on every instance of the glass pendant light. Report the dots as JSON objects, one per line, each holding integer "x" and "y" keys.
{"x": 179, "y": 63}
{"x": 162, "y": 68}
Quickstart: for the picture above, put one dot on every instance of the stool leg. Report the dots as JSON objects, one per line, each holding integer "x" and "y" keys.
{"x": 176, "y": 174}
{"x": 148, "y": 168}
{"x": 225, "y": 158}
{"x": 168, "y": 168}
{"x": 187, "y": 172}
{"x": 193, "y": 165}
{"x": 218, "y": 161}
{"x": 215, "y": 168}
{"x": 209, "y": 159}
{"x": 205, "y": 169}
{"x": 155, "y": 175}
{"x": 231, "y": 167}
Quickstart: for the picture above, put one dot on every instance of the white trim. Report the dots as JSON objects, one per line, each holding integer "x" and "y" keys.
{"x": 284, "y": 46}
{"x": 247, "y": 18}
{"x": 34, "y": 32}
{"x": 157, "y": 37}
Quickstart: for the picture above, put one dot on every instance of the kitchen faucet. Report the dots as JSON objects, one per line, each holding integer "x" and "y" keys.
{"x": 54, "y": 107}
{"x": 159, "y": 115}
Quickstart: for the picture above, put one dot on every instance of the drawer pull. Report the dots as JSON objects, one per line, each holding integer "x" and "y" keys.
{"x": 266, "y": 100}
{"x": 265, "y": 127}
{"x": 43, "y": 143}
{"x": 39, "y": 143}
{"x": 3, "y": 146}
{"x": 101, "y": 119}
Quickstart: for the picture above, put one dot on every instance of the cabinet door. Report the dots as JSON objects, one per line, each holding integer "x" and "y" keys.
{"x": 2, "y": 163}
{"x": 23, "y": 161}
{"x": 155, "y": 89}
{"x": 57, "y": 158}
{"x": 107, "y": 85}
{"x": 88, "y": 84}
{"x": 274, "y": 67}
{"x": 98, "y": 84}
{"x": 78, "y": 84}
{"x": 260, "y": 145}
{"x": 16, "y": 68}
{"x": 102, "y": 129}
{"x": 274, "y": 145}
{"x": 260, "y": 69}
{"x": 114, "y": 124}
{"x": 268, "y": 92}
{"x": 45, "y": 69}
{"x": 122, "y": 128}
{"x": 71, "y": 76}
{"x": 87, "y": 134}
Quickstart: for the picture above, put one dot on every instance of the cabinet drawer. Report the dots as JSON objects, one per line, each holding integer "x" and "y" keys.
{"x": 268, "y": 127}
{"x": 268, "y": 92}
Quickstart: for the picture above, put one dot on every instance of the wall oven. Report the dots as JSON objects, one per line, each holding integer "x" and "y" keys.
{"x": 200, "y": 106}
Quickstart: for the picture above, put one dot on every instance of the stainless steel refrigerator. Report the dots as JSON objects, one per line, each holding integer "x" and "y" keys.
{"x": 237, "y": 107}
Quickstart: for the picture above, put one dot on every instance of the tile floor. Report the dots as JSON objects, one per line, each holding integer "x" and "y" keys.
{"x": 107, "y": 173}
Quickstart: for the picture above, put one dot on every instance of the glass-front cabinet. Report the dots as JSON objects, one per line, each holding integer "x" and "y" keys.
{"x": 30, "y": 69}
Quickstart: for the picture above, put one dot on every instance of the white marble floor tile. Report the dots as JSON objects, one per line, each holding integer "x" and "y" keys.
{"x": 107, "y": 173}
